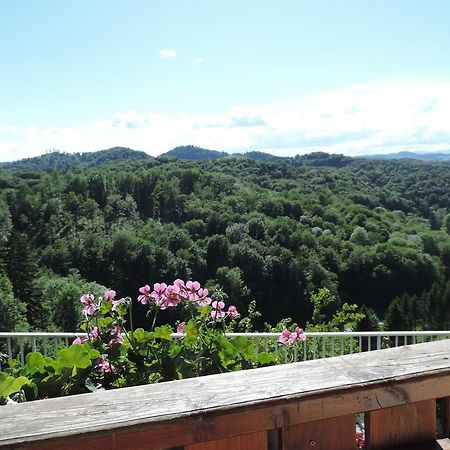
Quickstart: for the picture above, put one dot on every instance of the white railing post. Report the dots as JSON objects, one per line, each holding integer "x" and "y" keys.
{"x": 317, "y": 345}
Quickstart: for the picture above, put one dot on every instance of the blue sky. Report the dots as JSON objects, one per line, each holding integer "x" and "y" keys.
{"x": 281, "y": 76}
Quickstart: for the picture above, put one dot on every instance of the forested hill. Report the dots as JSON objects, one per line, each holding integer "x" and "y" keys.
{"x": 192, "y": 152}
{"x": 429, "y": 156}
{"x": 376, "y": 233}
{"x": 64, "y": 161}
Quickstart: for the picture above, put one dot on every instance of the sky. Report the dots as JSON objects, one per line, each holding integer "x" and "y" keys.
{"x": 286, "y": 77}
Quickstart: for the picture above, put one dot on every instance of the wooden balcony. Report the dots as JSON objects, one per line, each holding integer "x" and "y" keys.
{"x": 306, "y": 405}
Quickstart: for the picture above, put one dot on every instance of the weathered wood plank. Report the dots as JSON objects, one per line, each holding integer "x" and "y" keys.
{"x": 254, "y": 441}
{"x": 337, "y": 434}
{"x": 444, "y": 444}
{"x": 401, "y": 425}
{"x": 195, "y": 410}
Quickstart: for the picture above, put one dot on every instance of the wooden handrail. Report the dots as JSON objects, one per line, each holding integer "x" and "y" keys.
{"x": 293, "y": 406}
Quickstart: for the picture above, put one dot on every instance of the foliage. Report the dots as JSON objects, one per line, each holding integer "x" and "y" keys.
{"x": 108, "y": 356}
{"x": 12, "y": 311}
{"x": 57, "y": 160}
{"x": 368, "y": 231}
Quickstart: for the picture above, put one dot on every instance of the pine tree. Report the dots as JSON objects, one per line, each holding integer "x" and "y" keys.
{"x": 370, "y": 321}
{"x": 22, "y": 269}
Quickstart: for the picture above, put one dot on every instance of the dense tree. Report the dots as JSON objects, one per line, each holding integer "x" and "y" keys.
{"x": 274, "y": 230}
{"x": 12, "y": 311}
{"x": 22, "y": 270}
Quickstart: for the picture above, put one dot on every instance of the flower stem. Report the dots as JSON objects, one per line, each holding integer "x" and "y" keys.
{"x": 154, "y": 319}
{"x": 131, "y": 316}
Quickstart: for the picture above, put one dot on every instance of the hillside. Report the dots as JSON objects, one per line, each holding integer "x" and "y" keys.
{"x": 375, "y": 233}
{"x": 317, "y": 159}
{"x": 258, "y": 156}
{"x": 191, "y": 152}
{"x": 429, "y": 156}
{"x": 65, "y": 161}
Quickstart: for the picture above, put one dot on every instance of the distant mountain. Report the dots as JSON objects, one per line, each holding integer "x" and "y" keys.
{"x": 258, "y": 156}
{"x": 65, "y": 161}
{"x": 432, "y": 156}
{"x": 197, "y": 153}
{"x": 193, "y": 153}
{"x": 317, "y": 159}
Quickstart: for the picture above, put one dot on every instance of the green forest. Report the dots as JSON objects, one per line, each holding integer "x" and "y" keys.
{"x": 375, "y": 233}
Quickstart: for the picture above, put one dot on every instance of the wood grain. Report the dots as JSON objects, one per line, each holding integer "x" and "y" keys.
{"x": 401, "y": 425}
{"x": 208, "y": 408}
{"x": 444, "y": 444}
{"x": 337, "y": 434}
{"x": 254, "y": 441}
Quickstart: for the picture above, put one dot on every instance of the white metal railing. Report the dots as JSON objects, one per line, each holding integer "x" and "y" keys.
{"x": 317, "y": 344}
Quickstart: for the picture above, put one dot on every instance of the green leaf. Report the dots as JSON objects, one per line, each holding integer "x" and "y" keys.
{"x": 174, "y": 350}
{"x": 75, "y": 356}
{"x": 9, "y": 385}
{"x": 105, "y": 322}
{"x": 244, "y": 346}
{"x": 94, "y": 354}
{"x": 226, "y": 358}
{"x": 164, "y": 332}
{"x": 191, "y": 332}
{"x": 266, "y": 358}
{"x": 105, "y": 307}
{"x": 35, "y": 362}
{"x": 140, "y": 336}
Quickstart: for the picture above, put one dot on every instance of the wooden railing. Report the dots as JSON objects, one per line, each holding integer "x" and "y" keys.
{"x": 299, "y": 406}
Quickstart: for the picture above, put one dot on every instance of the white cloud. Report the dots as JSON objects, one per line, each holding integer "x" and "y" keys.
{"x": 168, "y": 53}
{"x": 377, "y": 118}
{"x": 199, "y": 60}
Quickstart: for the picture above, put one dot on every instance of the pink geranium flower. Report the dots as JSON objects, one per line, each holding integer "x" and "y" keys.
{"x": 145, "y": 294}
{"x": 289, "y": 338}
{"x": 170, "y": 298}
{"x": 110, "y": 294}
{"x": 117, "y": 337}
{"x": 94, "y": 334}
{"x": 104, "y": 366}
{"x": 301, "y": 336}
{"x": 89, "y": 305}
{"x": 202, "y": 297}
{"x": 217, "y": 312}
{"x": 116, "y": 303}
{"x": 158, "y": 296}
{"x": 192, "y": 287}
{"x": 179, "y": 283}
{"x": 232, "y": 311}
{"x": 79, "y": 340}
{"x": 180, "y": 327}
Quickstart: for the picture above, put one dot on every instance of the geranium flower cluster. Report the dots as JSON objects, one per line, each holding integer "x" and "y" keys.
{"x": 360, "y": 440}
{"x": 290, "y": 338}
{"x": 91, "y": 307}
{"x": 165, "y": 296}
{"x": 161, "y": 297}
{"x": 110, "y": 336}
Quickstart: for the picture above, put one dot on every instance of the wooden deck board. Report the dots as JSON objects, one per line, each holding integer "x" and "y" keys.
{"x": 259, "y": 399}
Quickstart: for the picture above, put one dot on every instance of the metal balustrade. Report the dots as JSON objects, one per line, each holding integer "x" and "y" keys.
{"x": 317, "y": 345}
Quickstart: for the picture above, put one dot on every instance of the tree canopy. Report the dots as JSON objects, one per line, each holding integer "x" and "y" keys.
{"x": 273, "y": 231}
